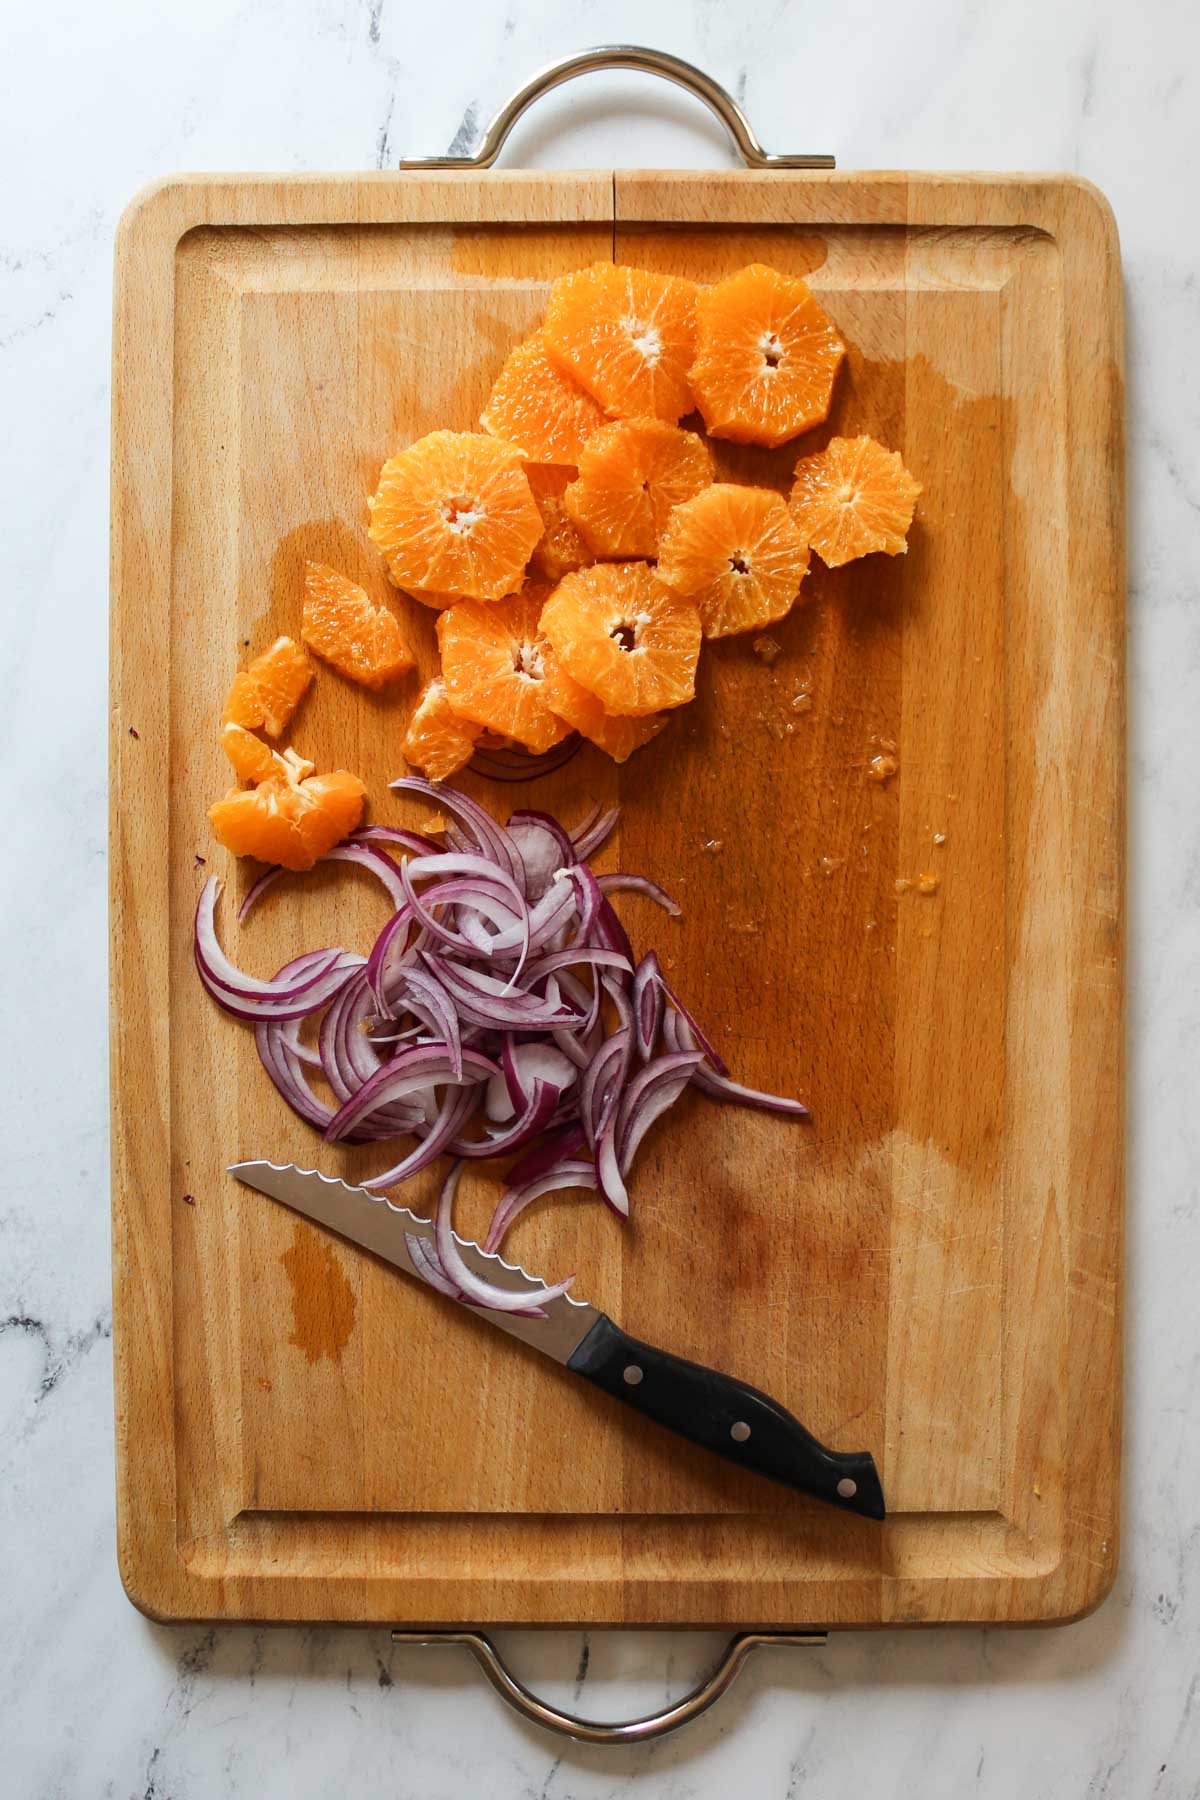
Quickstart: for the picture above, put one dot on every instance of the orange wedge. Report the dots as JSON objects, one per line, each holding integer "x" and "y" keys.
{"x": 630, "y": 476}
{"x": 264, "y": 696}
{"x": 454, "y": 514}
{"x": 342, "y": 625}
{"x": 618, "y": 737}
{"x": 438, "y": 741}
{"x": 853, "y": 498}
{"x": 291, "y": 816}
{"x": 560, "y": 547}
{"x": 492, "y": 667}
{"x": 628, "y": 336}
{"x": 766, "y": 357}
{"x": 737, "y": 554}
{"x": 625, "y": 637}
{"x": 538, "y": 406}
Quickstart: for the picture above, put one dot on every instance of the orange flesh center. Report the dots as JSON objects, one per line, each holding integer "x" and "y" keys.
{"x": 772, "y": 351}
{"x": 738, "y": 563}
{"x": 462, "y": 514}
{"x": 644, "y": 338}
{"x": 527, "y": 661}
{"x": 625, "y": 636}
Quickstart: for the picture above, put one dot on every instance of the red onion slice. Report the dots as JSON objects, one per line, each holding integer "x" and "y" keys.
{"x": 424, "y": 1260}
{"x": 457, "y": 1270}
{"x": 430, "y": 994}
{"x": 677, "y": 1034}
{"x": 486, "y": 1001}
{"x": 503, "y": 764}
{"x": 648, "y": 1002}
{"x": 533, "y": 1119}
{"x": 452, "y": 1115}
{"x": 413, "y": 841}
{"x": 640, "y": 884}
{"x": 217, "y": 971}
{"x": 416, "y": 1070}
{"x": 609, "y": 931}
{"x": 524, "y": 1065}
{"x": 555, "y": 1147}
{"x": 544, "y": 849}
{"x": 698, "y": 1039}
{"x": 602, "y": 1084}
{"x": 594, "y": 833}
{"x": 489, "y": 837}
{"x": 513, "y": 1203}
{"x": 360, "y": 852}
{"x": 580, "y": 956}
{"x": 651, "y": 1093}
{"x": 608, "y": 1167}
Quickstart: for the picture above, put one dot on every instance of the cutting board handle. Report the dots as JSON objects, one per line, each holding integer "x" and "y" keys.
{"x": 628, "y": 1731}
{"x": 645, "y": 62}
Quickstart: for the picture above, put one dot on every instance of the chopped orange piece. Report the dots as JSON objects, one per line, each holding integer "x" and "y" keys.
{"x": 438, "y": 741}
{"x": 344, "y": 627}
{"x": 560, "y": 547}
{"x": 252, "y": 759}
{"x": 766, "y": 357}
{"x": 628, "y": 336}
{"x": 492, "y": 667}
{"x": 736, "y": 552}
{"x": 454, "y": 514}
{"x": 264, "y": 696}
{"x": 538, "y": 406}
{"x": 630, "y": 476}
{"x": 852, "y": 498}
{"x": 292, "y": 816}
{"x": 618, "y": 737}
{"x": 625, "y": 637}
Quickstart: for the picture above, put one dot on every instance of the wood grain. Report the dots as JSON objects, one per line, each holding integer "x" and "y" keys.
{"x": 933, "y": 1270}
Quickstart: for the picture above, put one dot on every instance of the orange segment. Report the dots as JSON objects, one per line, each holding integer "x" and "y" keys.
{"x": 736, "y": 552}
{"x": 630, "y": 476}
{"x": 292, "y": 817}
{"x": 560, "y": 547}
{"x": 264, "y": 696}
{"x": 252, "y": 759}
{"x": 618, "y": 737}
{"x": 626, "y": 638}
{"x": 438, "y": 741}
{"x": 766, "y": 357}
{"x": 628, "y": 336}
{"x": 454, "y": 514}
{"x": 538, "y": 406}
{"x": 342, "y": 625}
{"x": 492, "y": 667}
{"x": 852, "y": 498}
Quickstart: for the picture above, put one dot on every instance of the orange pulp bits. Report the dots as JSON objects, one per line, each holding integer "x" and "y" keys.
{"x": 630, "y": 476}
{"x": 766, "y": 357}
{"x": 454, "y": 514}
{"x": 560, "y": 547}
{"x": 342, "y": 625}
{"x": 736, "y": 552}
{"x": 264, "y": 696}
{"x": 492, "y": 667}
{"x": 626, "y": 638}
{"x": 627, "y": 335}
{"x": 852, "y": 498}
{"x": 538, "y": 406}
{"x": 438, "y": 741}
{"x": 617, "y": 736}
{"x": 291, "y": 816}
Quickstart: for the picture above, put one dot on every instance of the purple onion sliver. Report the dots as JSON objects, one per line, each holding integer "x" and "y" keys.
{"x": 498, "y": 1299}
{"x": 640, "y": 884}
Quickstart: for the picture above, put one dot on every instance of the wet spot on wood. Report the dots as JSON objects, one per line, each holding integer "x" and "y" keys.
{"x": 322, "y": 1298}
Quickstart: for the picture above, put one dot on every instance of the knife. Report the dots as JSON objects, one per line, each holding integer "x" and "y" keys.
{"x": 716, "y": 1411}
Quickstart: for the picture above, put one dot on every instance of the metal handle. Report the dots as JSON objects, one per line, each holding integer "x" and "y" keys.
{"x": 630, "y": 1731}
{"x": 645, "y": 62}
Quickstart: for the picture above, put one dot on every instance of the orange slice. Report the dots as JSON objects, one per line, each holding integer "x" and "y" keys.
{"x": 766, "y": 357}
{"x": 292, "y": 816}
{"x": 438, "y": 741}
{"x": 852, "y": 498}
{"x": 630, "y": 476}
{"x": 492, "y": 667}
{"x": 264, "y": 696}
{"x": 252, "y": 759}
{"x": 560, "y": 547}
{"x": 628, "y": 336}
{"x": 540, "y": 407}
{"x": 342, "y": 625}
{"x": 626, "y": 638}
{"x": 454, "y": 514}
{"x": 618, "y": 737}
{"x": 737, "y": 554}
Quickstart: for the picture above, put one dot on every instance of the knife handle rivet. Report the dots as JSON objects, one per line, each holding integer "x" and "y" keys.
{"x": 847, "y": 1488}
{"x": 632, "y": 1375}
{"x": 739, "y": 1431}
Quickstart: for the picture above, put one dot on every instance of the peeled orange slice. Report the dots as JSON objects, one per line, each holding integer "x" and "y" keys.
{"x": 766, "y": 357}
{"x": 561, "y": 546}
{"x": 737, "y": 554}
{"x": 630, "y": 476}
{"x": 852, "y": 498}
{"x": 264, "y": 696}
{"x": 454, "y": 514}
{"x": 252, "y": 759}
{"x": 628, "y": 336}
{"x": 625, "y": 637}
{"x": 342, "y": 625}
{"x": 492, "y": 667}
{"x": 618, "y": 737}
{"x": 292, "y": 816}
{"x": 438, "y": 741}
{"x": 538, "y": 406}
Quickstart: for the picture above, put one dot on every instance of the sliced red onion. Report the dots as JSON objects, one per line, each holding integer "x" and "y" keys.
{"x": 609, "y": 931}
{"x": 639, "y": 884}
{"x": 523, "y": 765}
{"x": 698, "y": 1039}
{"x": 579, "y": 956}
{"x": 420, "y": 985}
{"x": 602, "y": 1084}
{"x": 489, "y": 836}
{"x": 555, "y": 1147}
{"x": 484, "y": 897}
{"x": 609, "y": 1179}
{"x": 414, "y": 841}
{"x": 648, "y": 1004}
{"x": 485, "y": 1000}
{"x": 217, "y": 971}
{"x": 651, "y": 1093}
{"x": 289, "y": 1036}
{"x": 594, "y": 833}
{"x": 360, "y": 852}
{"x": 535, "y": 1115}
{"x": 677, "y": 1033}
{"x": 424, "y": 1260}
{"x": 498, "y": 1104}
{"x": 454, "y": 1112}
{"x": 381, "y": 960}
{"x": 416, "y": 1070}
{"x": 456, "y": 1269}
{"x": 516, "y": 1199}
{"x": 544, "y": 849}
{"x": 524, "y": 1065}
{"x": 591, "y": 899}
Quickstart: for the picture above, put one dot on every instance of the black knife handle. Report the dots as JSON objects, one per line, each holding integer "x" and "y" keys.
{"x": 742, "y": 1425}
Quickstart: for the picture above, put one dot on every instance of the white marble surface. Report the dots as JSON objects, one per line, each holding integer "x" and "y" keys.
{"x": 99, "y": 99}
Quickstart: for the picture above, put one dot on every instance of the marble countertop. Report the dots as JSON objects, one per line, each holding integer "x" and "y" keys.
{"x": 94, "y": 1700}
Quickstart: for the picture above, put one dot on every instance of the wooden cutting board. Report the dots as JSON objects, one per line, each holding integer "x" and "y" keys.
{"x": 932, "y": 1269}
